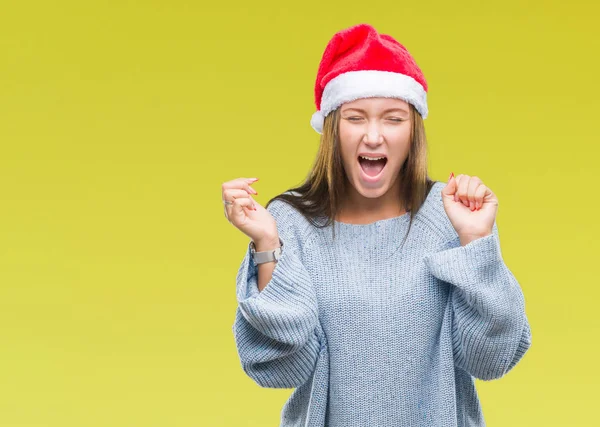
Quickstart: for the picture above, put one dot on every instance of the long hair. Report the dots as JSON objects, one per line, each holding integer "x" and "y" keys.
{"x": 318, "y": 198}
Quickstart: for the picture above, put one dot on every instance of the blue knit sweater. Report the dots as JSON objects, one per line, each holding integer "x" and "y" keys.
{"x": 369, "y": 335}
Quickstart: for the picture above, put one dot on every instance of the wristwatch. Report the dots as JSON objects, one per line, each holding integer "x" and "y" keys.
{"x": 266, "y": 256}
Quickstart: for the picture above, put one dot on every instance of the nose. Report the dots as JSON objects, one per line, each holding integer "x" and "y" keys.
{"x": 373, "y": 135}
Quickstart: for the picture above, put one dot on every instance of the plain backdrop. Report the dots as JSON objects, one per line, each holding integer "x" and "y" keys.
{"x": 120, "y": 120}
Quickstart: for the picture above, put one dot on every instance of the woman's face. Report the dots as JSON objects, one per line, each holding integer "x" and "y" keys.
{"x": 374, "y": 127}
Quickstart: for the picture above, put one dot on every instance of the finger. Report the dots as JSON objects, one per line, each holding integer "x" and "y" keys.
{"x": 234, "y": 193}
{"x": 239, "y": 183}
{"x": 235, "y": 183}
{"x": 462, "y": 190}
{"x": 474, "y": 182}
{"x": 237, "y": 208}
{"x": 458, "y": 179}
{"x": 479, "y": 194}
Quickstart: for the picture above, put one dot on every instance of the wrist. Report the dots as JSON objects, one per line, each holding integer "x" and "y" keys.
{"x": 465, "y": 239}
{"x": 267, "y": 244}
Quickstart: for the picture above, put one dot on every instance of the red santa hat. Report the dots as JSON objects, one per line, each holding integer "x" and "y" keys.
{"x": 358, "y": 62}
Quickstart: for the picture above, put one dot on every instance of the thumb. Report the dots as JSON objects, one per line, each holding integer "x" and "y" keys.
{"x": 450, "y": 187}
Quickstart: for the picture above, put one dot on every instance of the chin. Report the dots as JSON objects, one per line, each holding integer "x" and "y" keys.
{"x": 371, "y": 192}
{"x": 374, "y": 193}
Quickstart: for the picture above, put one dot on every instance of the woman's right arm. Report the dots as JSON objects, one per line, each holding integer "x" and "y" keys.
{"x": 275, "y": 328}
{"x": 265, "y": 270}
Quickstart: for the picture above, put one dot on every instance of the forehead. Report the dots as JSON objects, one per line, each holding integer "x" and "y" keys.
{"x": 379, "y": 104}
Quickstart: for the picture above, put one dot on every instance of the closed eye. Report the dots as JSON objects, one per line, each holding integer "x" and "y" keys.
{"x": 355, "y": 119}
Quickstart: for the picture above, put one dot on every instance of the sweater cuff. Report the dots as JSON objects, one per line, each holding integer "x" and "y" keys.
{"x": 247, "y": 277}
{"x": 286, "y": 309}
{"x": 465, "y": 264}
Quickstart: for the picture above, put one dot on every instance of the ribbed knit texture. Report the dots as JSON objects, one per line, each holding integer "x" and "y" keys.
{"x": 370, "y": 334}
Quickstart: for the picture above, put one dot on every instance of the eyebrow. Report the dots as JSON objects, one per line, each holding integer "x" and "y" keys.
{"x": 389, "y": 109}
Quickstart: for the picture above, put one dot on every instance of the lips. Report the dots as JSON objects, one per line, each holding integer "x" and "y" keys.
{"x": 368, "y": 178}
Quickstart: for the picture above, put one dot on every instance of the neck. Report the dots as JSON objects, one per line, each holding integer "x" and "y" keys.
{"x": 356, "y": 208}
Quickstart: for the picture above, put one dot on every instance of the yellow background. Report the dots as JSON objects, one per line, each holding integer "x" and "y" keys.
{"x": 120, "y": 120}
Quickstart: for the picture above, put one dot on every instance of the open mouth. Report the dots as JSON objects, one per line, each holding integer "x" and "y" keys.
{"x": 372, "y": 168}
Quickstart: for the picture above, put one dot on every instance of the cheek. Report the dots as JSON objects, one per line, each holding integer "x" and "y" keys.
{"x": 400, "y": 141}
{"x": 347, "y": 133}
{"x": 347, "y": 151}
{"x": 399, "y": 133}
{"x": 349, "y": 142}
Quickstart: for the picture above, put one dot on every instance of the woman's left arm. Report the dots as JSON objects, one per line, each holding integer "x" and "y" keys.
{"x": 490, "y": 329}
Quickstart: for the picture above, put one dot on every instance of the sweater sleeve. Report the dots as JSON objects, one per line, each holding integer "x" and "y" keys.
{"x": 275, "y": 330}
{"x": 490, "y": 329}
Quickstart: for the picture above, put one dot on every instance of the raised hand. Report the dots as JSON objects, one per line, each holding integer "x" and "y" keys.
{"x": 245, "y": 213}
{"x": 470, "y": 206}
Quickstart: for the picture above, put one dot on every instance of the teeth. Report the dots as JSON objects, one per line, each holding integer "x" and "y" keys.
{"x": 372, "y": 158}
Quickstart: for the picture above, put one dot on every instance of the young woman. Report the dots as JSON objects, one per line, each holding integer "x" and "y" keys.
{"x": 377, "y": 293}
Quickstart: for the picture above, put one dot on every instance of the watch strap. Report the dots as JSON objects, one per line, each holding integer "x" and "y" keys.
{"x": 266, "y": 256}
